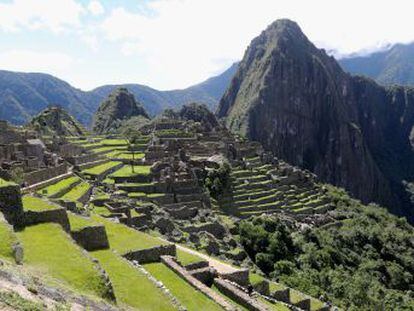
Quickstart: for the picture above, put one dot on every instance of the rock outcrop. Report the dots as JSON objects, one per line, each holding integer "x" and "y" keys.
{"x": 56, "y": 121}
{"x": 298, "y": 102}
{"x": 117, "y": 110}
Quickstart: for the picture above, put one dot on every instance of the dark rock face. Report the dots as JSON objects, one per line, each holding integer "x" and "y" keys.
{"x": 56, "y": 121}
{"x": 119, "y": 107}
{"x": 297, "y": 101}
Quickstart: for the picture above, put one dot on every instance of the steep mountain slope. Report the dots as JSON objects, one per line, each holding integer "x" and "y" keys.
{"x": 297, "y": 101}
{"x": 392, "y": 66}
{"x": 118, "y": 108}
{"x": 25, "y": 94}
{"x": 22, "y": 95}
{"x": 56, "y": 121}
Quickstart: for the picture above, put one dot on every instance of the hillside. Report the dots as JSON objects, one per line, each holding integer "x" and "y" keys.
{"x": 22, "y": 95}
{"x": 298, "y": 102}
{"x": 56, "y": 121}
{"x": 392, "y": 66}
{"x": 116, "y": 110}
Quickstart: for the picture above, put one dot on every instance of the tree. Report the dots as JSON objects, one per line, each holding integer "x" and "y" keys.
{"x": 132, "y": 136}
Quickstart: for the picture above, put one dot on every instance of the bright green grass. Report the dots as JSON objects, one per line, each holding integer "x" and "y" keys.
{"x": 126, "y": 171}
{"x": 114, "y": 142}
{"x": 77, "y": 192}
{"x": 4, "y": 183}
{"x": 49, "y": 250}
{"x": 128, "y": 156}
{"x": 273, "y": 306}
{"x": 101, "y": 210}
{"x": 101, "y": 168}
{"x": 131, "y": 286}
{"x": 7, "y": 239}
{"x": 124, "y": 239}
{"x": 187, "y": 258}
{"x": 78, "y": 222}
{"x": 60, "y": 185}
{"x": 185, "y": 293}
{"x": 35, "y": 204}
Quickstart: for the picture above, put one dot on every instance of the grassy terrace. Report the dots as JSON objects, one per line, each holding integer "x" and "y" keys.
{"x": 35, "y": 204}
{"x": 7, "y": 239}
{"x": 187, "y": 258}
{"x": 4, "y": 183}
{"x": 184, "y": 292}
{"x": 49, "y": 250}
{"x": 125, "y": 155}
{"x": 59, "y": 186}
{"x": 126, "y": 171}
{"x": 78, "y": 222}
{"x": 77, "y": 192}
{"x": 100, "y": 169}
{"x": 131, "y": 286}
{"x": 124, "y": 239}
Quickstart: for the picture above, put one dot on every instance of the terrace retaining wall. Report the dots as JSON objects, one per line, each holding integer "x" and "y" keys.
{"x": 11, "y": 204}
{"x": 151, "y": 254}
{"x": 57, "y": 215}
{"x": 91, "y": 238}
{"x": 45, "y": 174}
{"x": 199, "y": 286}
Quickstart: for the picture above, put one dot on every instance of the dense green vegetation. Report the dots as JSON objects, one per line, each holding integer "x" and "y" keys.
{"x": 218, "y": 180}
{"x": 362, "y": 262}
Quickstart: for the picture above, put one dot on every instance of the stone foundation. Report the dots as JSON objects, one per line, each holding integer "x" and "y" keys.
{"x": 45, "y": 174}
{"x": 151, "y": 254}
{"x": 58, "y": 216}
{"x": 91, "y": 238}
{"x": 11, "y": 204}
{"x": 240, "y": 277}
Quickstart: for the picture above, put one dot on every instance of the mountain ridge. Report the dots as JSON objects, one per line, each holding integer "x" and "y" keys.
{"x": 298, "y": 102}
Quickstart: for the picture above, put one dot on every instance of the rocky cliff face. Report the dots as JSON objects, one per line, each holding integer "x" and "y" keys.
{"x": 117, "y": 109}
{"x": 56, "y": 121}
{"x": 297, "y": 101}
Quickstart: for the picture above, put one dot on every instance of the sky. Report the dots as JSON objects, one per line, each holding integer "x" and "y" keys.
{"x": 169, "y": 44}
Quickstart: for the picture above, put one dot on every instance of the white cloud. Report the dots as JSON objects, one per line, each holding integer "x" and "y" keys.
{"x": 25, "y": 60}
{"x": 53, "y": 15}
{"x": 96, "y": 8}
{"x": 183, "y": 39}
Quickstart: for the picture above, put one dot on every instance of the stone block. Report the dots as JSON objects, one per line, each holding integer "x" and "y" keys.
{"x": 91, "y": 238}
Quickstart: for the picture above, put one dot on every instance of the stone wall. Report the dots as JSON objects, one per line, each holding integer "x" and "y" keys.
{"x": 91, "y": 238}
{"x": 240, "y": 277}
{"x": 185, "y": 275}
{"x": 11, "y": 204}
{"x": 45, "y": 174}
{"x": 151, "y": 254}
{"x": 238, "y": 295}
{"x": 57, "y": 215}
{"x": 85, "y": 166}
{"x": 46, "y": 183}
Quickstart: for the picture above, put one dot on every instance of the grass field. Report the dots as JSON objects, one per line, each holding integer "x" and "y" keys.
{"x": 124, "y": 239}
{"x": 184, "y": 292}
{"x": 49, "y": 250}
{"x": 7, "y": 239}
{"x": 77, "y": 192}
{"x": 99, "y": 169}
{"x": 131, "y": 286}
{"x": 35, "y": 204}
{"x": 60, "y": 185}
{"x": 126, "y": 171}
{"x": 186, "y": 258}
{"x": 78, "y": 222}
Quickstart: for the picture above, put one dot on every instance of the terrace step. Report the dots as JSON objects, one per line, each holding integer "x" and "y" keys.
{"x": 190, "y": 204}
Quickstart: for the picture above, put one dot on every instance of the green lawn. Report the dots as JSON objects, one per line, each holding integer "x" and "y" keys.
{"x": 114, "y": 142}
{"x": 75, "y": 193}
{"x": 7, "y": 239}
{"x": 274, "y": 306}
{"x": 60, "y": 185}
{"x": 50, "y": 251}
{"x": 36, "y": 204}
{"x": 78, "y": 222}
{"x": 187, "y": 258}
{"x": 99, "y": 169}
{"x": 131, "y": 286}
{"x": 126, "y": 171}
{"x": 124, "y": 239}
{"x": 4, "y": 183}
{"x": 184, "y": 292}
